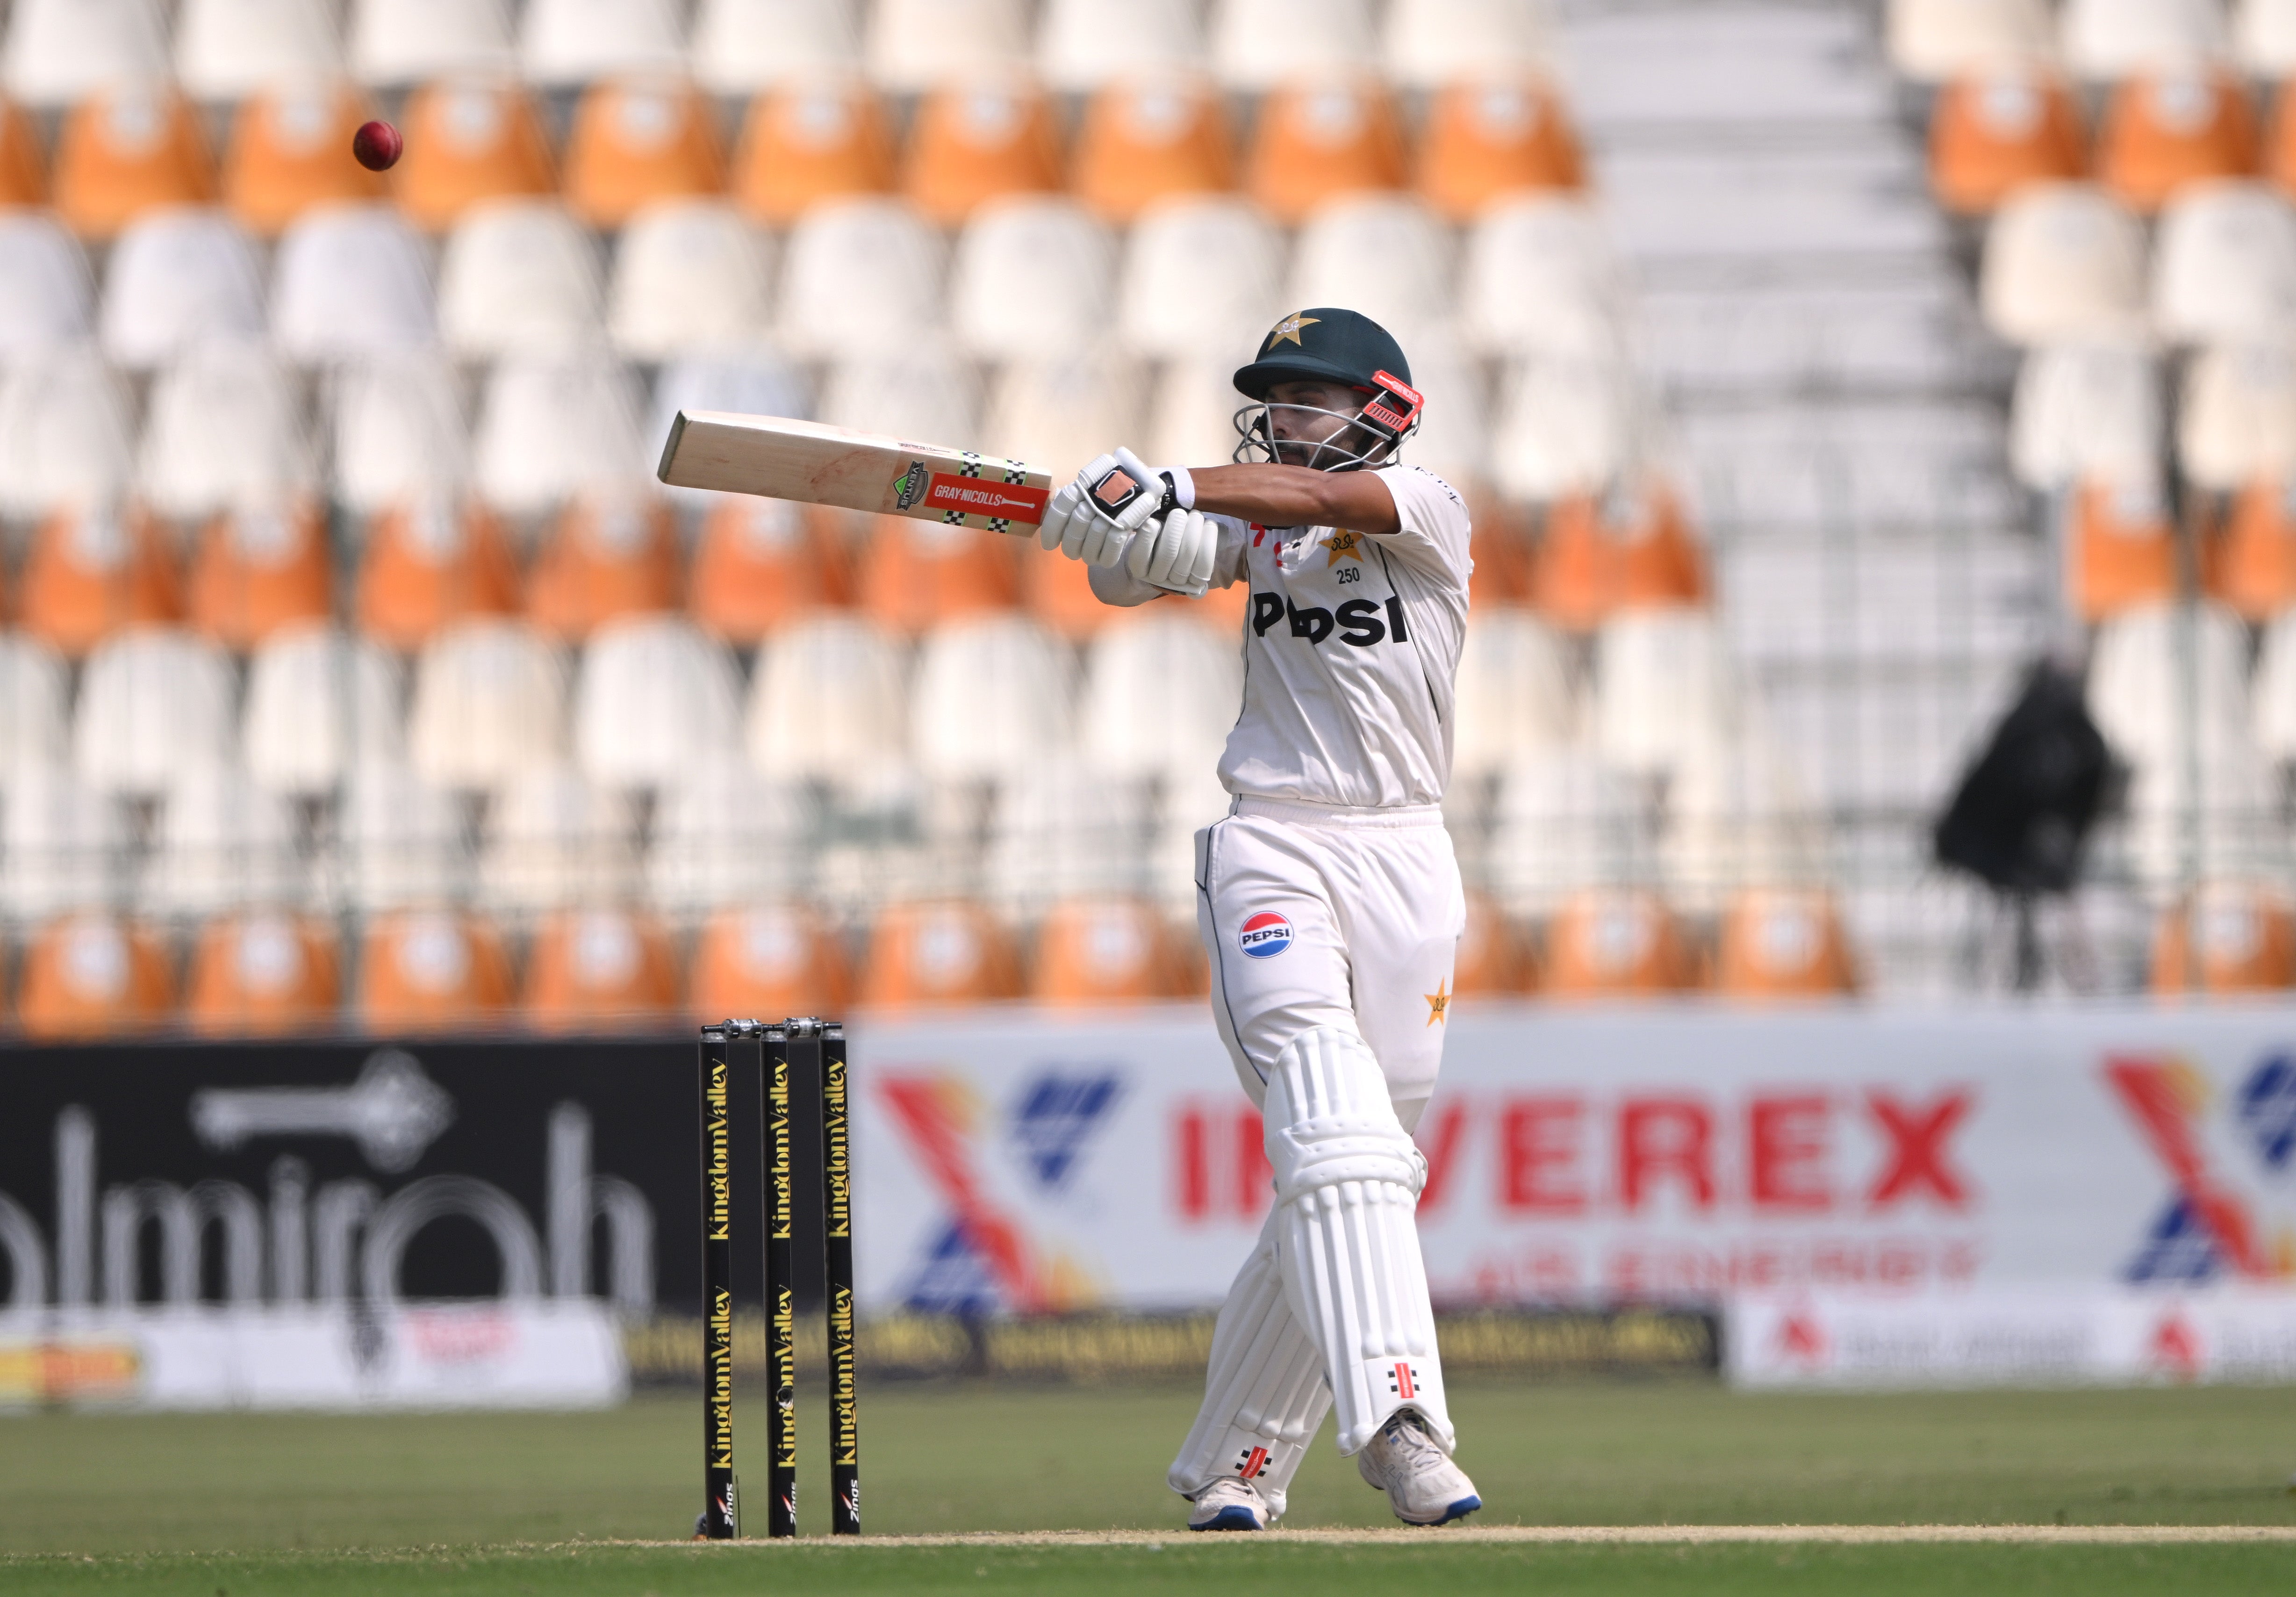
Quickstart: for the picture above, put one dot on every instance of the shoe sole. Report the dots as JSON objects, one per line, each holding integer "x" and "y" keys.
{"x": 1457, "y": 1511}
{"x": 1236, "y": 1517}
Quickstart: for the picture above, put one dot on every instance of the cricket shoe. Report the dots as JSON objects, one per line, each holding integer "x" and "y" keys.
{"x": 1229, "y": 1503}
{"x": 1423, "y": 1486}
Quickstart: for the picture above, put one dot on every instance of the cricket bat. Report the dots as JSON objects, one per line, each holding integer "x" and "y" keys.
{"x": 782, "y": 458}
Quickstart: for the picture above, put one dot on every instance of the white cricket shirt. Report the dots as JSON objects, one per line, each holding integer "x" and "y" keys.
{"x": 1350, "y": 645}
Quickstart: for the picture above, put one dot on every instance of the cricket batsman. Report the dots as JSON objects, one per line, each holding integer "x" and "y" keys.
{"x": 1328, "y": 897}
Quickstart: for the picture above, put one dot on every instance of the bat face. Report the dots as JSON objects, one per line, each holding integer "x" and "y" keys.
{"x": 783, "y": 458}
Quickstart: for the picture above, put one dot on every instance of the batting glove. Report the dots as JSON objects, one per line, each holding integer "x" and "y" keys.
{"x": 1176, "y": 554}
{"x": 1094, "y": 518}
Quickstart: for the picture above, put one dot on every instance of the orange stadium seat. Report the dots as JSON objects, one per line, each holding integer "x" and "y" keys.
{"x": 1491, "y": 957}
{"x": 125, "y": 151}
{"x": 1486, "y": 140}
{"x": 1313, "y": 144}
{"x": 2279, "y": 138}
{"x": 608, "y": 555}
{"x": 1993, "y": 133}
{"x": 599, "y": 968}
{"x": 93, "y": 975}
{"x": 917, "y": 574}
{"x": 769, "y": 960}
{"x": 941, "y": 951}
{"x": 1058, "y": 593}
{"x": 23, "y": 164}
{"x": 290, "y": 150}
{"x": 263, "y": 974}
{"x": 431, "y": 563}
{"x": 260, "y": 569}
{"x": 2232, "y": 937}
{"x": 2256, "y": 560}
{"x": 2121, "y": 551}
{"x": 637, "y": 142}
{"x": 973, "y": 143}
{"x": 468, "y": 141}
{"x": 427, "y": 970}
{"x": 1104, "y": 950}
{"x": 1599, "y": 556}
{"x": 1783, "y": 944}
{"x": 1615, "y": 943}
{"x": 761, "y": 562}
{"x": 801, "y": 145}
{"x": 1143, "y": 142}
{"x": 1501, "y": 547}
{"x": 2163, "y": 132}
{"x": 92, "y": 573}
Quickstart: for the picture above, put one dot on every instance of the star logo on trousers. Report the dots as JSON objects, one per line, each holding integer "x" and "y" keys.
{"x": 1439, "y": 1002}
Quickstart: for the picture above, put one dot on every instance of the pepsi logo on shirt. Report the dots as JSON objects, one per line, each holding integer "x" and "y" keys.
{"x": 1265, "y": 935}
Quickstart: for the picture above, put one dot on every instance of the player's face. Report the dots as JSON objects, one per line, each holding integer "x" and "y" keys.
{"x": 1302, "y": 415}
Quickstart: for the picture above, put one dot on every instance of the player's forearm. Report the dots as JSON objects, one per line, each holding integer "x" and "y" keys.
{"x": 1293, "y": 495}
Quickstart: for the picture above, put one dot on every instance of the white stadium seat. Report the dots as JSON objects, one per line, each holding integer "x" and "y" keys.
{"x": 828, "y": 703}
{"x": 1030, "y": 278}
{"x": 1514, "y": 696}
{"x": 1540, "y": 279}
{"x": 862, "y": 275}
{"x": 1191, "y": 412}
{"x": 1084, "y": 44}
{"x": 2223, "y": 271}
{"x": 2063, "y": 261}
{"x": 1454, "y": 439}
{"x": 228, "y": 49}
{"x": 994, "y": 694}
{"x": 519, "y": 277}
{"x": 1666, "y": 690}
{"x": 566, "y": 42}
{"x": 1065, "y": 828}
{"x": 740, "y": 46}
{"x": 61, "y": 51}
{"x": 2112, "y": 39}
{"x": 2237, "y": 421}
{"x": 1159, "y": 696}
{"x": 2264, "y": 37}
{"x": 1204, "y": 276}
{"x": 1381, "y": 254}
{"x": 1564, "y": 821}
{"x": 490, "y": 702}
{"x": 1563, "y": 427}
{"x": 2273, "y": 706}
{"x": 225, "y": 428}
{"x": 1432, "y": 42}
{"x": 554, "y": 841}
{"x": 924, "y": 392}
{"x": 351, "y": 281}
{"x": 913, "y": 45}
{"x": 45, "y": 292}
{"x": 654, "y": 691}
{"x": 321, "y": 703}
{"x": 398, "y": 42}
{"x": 1264, "y": 44}
{"x": 1059, "y": 414}
{"x": 63, "y": 432}
{"x": 223, "y": 843}
{"x": 175, "y": 277}
{"x": 2085, "y": 411}
{"x": 399, "y": 431}
{"x": 32, "y": 722}
{"x": 63, "y": 844}
{"x": 153, "y": 702}
{"x": 1932, "y": 41}
{"x": 2136, "y": 683}
{"x": 723, "y": 835}
{"x": 401, "y": 840}
{"x": 1736, "y": 818}
{"x": 550, "y": 427}
{"x": 689, "y": 275}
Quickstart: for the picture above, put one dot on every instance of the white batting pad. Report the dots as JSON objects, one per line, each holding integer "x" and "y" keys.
{"x": 1346, "y": 1189}
{"x": 1264, "y": 1394}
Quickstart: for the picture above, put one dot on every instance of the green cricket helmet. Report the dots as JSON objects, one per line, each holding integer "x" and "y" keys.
{"x": 1326, "y": 344}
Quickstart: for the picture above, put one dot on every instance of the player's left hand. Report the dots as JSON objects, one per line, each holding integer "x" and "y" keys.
{"x": 1094, "y": 518}
{"x": 1176, "y": 554}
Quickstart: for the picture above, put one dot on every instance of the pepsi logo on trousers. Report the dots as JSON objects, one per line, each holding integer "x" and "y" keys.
{"x": 1265, "y": 935}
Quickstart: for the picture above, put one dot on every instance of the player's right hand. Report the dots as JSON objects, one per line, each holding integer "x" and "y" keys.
{"x": 1076, "y": 530}
{"x": 1094, "y": 518}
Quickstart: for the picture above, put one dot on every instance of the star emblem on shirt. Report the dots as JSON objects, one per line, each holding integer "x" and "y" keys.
{"x": 1289, "y": 328}
{"x": 1439, "y": 1002}
{"x": 1344, "y": 545}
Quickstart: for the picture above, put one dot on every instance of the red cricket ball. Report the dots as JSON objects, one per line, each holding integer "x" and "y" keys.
{"x": 377, "y": 146}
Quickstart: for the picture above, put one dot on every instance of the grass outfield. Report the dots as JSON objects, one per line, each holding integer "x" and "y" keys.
{"x": 261, "y": 1503}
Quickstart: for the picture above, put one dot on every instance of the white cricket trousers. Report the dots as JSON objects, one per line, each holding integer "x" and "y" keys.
{"x": 1330, "y": 934}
